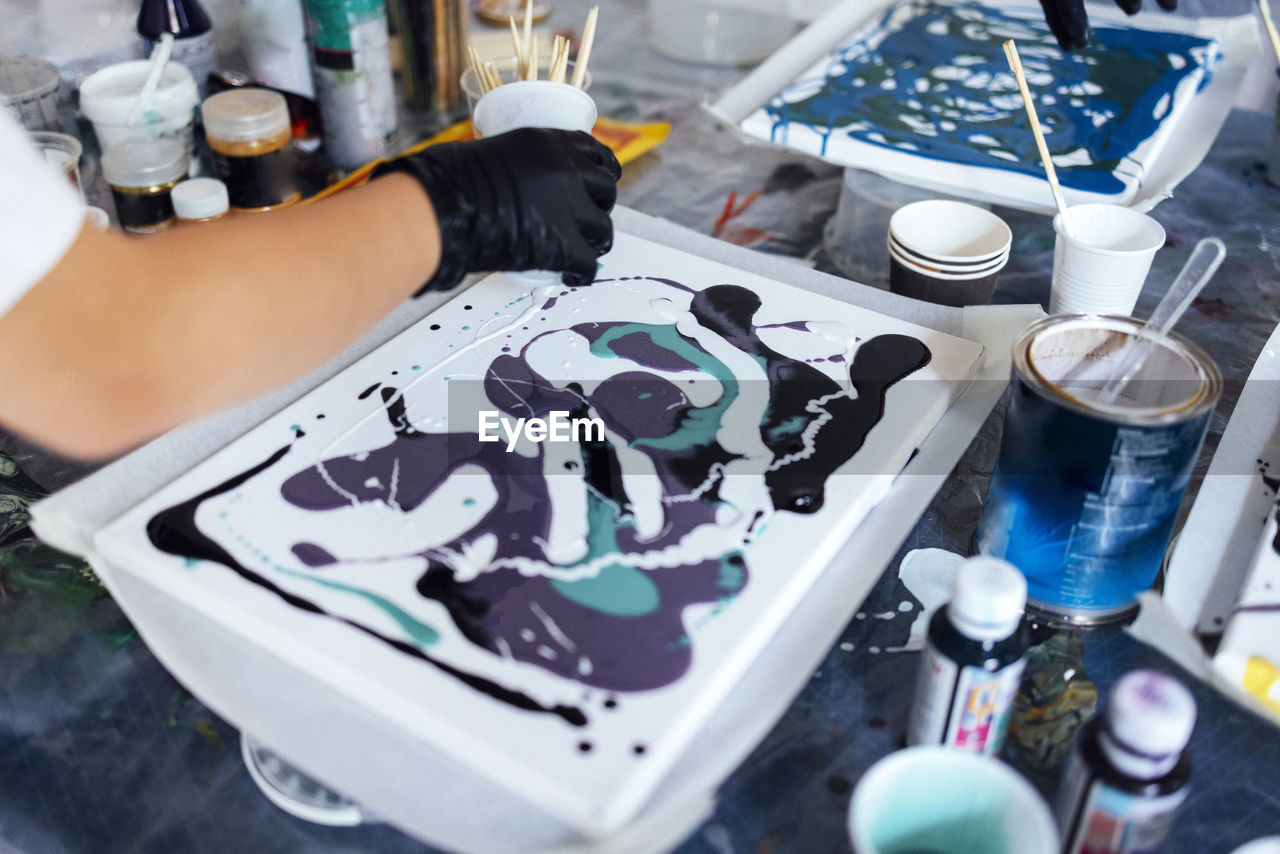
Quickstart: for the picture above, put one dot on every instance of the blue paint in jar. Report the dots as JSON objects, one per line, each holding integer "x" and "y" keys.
{"x": 1084, "y": 496}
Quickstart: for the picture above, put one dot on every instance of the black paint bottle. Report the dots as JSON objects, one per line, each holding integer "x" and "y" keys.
{"x": 1129, "y": 774}
{"x": 973, "y": 659}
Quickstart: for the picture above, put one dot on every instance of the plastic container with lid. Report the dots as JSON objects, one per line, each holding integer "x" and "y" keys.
{"x": 250, "y": 136}
{"x": 974, "y": 655}
{"x": 108, "y": 98}
{"x": 1129, "y": 773}
{"x": 200, "y": 200}
{"x": 142, "y": 175}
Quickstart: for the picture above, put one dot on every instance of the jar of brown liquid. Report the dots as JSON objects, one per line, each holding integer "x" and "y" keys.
{"x": 249, "y": 134}
{"x": 142, "y": 175}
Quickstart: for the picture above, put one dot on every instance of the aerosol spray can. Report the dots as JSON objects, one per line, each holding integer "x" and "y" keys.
{"x": 1129, "y": 773}
{"x": 351, "y": 61}
{"x": 974, "y": 654}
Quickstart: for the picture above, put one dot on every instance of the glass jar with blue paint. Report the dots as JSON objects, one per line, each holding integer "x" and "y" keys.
{"x": 1085, "y": 494}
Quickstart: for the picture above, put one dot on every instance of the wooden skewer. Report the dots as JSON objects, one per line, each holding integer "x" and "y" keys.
{"x": 522, "y": 61}
{"x": 584, "y": 48}
{"x": 562, "y": 59}
{"x": 1015, "y": 64}
{"x": 530, "y": 54}
{"x": 555, "y": 58}
{"x": 1271, "y": 27}
{"x": 495, "y": 79}
{"x": 531, "y": 73}
{"x": 473, "y": 59}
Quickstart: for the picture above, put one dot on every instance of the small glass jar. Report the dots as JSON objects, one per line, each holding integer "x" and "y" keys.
{"x": 200, "y": 200}
{"x": 251, "y": 138}
{"x": 142, "y": 175}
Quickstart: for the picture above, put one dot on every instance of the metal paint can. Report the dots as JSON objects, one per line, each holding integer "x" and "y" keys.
{"x": 1084, "y": 495}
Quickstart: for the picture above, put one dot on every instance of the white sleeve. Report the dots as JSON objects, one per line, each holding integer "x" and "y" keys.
{"x": 40, "y": 214}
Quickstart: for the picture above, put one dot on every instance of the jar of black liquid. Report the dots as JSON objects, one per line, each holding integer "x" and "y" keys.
{"x": 142, "y": 173}
{"x": 1129, "y": 773}
{"x": 973, "y": 659}
{"x": 251, "y": 139}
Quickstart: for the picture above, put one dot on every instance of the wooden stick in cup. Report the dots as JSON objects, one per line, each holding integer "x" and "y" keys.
{"x": 1271, "y": 27}
{"x": 531, "y": 73}
{"x": 1015, "y": 64}
{"x": 477, "y": 70}
{"x": 522, "y": 61}
{"x": 528, "y": 36}
{"x": 584, "y": 47}
{"x": 491, "y": 72}
{"x": 557, "y": 50}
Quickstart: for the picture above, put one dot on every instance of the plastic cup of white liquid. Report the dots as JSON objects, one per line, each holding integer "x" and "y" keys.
{"x": 948, "y": 801}
{"x": 534, "y": 104}
{"x": 719, "y": 32}
{"x": 108, "y": 98}
{"x": 508, "y": 70}
{"x": 1101, "y": 267}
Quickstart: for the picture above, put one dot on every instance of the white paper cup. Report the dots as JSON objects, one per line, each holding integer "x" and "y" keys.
{"x": 1102, "y": 266}
{"x": 108, "y": 97}
{"x": 950, "y": 232}
{"x": 948, "y": 801}
{"x": 536, "y": 104}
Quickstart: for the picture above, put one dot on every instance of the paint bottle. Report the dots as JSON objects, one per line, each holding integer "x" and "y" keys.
{"x": 192, "y": 35}
{"x": 351, "y": 64}
{"x": 1129, "y": 773}
{"x": 974, "y": 654}
{"x": 250, "y": 138}
{"x": 200, "y": 200}
{"x": 142, "y": 175}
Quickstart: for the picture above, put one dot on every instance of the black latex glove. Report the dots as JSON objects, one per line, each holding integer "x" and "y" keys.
{"x": 528, "y": 199}
{"x": 1070, "y": 25}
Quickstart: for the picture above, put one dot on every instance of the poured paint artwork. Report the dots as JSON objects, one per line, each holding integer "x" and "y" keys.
{"x": 926, "y": 90}
{"x": 548, "y": 530}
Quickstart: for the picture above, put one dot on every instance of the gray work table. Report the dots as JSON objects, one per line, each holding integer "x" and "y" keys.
{"x": 102, "y": 751}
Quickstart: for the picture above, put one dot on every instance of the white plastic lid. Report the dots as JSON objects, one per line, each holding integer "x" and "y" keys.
{"x": 1151, "y": 713}
{"x": 200, "y": 198}
{"x": 243, "y": 115}
{"x": 145, "y": 162}
{"x": 987, "y": 598}
{"x": 109, "y": 95}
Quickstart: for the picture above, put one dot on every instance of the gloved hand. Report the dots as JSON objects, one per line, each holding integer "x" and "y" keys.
{"x": 1067, "y": 19}
{"x": 528, "y": 199}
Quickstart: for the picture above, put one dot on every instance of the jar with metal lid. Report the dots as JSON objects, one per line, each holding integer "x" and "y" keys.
{"x": 200, "y": 200}
{"x": 142, "y": 175}
{"x": 250, "y": 136}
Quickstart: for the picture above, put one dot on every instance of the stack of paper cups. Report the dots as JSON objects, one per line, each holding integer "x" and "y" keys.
{"x": 946, "y": 252}
{"x": 1101, "y": 267}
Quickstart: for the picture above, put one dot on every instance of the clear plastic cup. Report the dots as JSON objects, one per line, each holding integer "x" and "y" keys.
{"x": 1101, "y": 267}
{"x": 507, "y": 68}
{"x": 62, "y": 152}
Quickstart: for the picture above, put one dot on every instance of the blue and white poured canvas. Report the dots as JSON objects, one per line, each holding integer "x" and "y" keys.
{"x": 925, "y": 90}
{"x": 562, "y": 616}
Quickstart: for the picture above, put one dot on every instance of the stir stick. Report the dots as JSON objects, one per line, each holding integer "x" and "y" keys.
{"x": 532, "y": 72}
{"x": 584, "y": 48}
{"x": 528, "y": 36}
{"x": 1015, "y": 65}
{"x": 522, "y": 61}
{"x": 1271, "y": 27}
{"x": 473, "y": 59}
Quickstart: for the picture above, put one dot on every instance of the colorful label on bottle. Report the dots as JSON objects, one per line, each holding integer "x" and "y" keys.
{"x": 962, "y": 706}
{"x": 1101, "y": 819}
{"x": 331, "y": 23}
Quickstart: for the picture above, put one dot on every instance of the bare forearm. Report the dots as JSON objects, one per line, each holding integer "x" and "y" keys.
{"x": 127, "y": 338}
